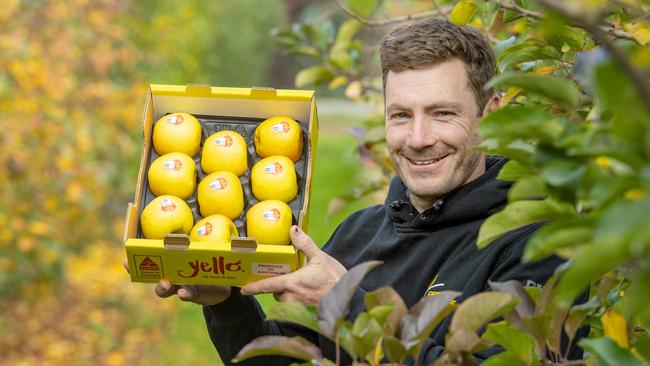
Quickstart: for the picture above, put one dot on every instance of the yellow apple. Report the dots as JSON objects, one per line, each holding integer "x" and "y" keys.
{"x": 166, "y": 214}
{"x": 269, "y": 222}
{"x": 173, "y": 173}
{"x": 221, "y": 193}
{"x": 279, "y": 136}
{"x": 274, "y": 178}
{"x": 225, "y": 150}
{"x": 214, "y": 228}
{"x": 177, "y": 132}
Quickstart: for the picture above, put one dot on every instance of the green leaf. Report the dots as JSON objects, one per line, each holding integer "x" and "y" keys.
{"x": 513, "y": 340}
{"x": 563, "y": 172}
{"x": 339, "y": 55}
{"x": 501, "y": 46}
{"x": 305, "y": 51}
{"x": 528, "y": 123}
{"x": 474, "y": 313}
{"x": 526, "y": 52}
{"x": 516, "y": 150}
{"x": 526, "y": 306}
{"x": 503, "y": 359}
{"x": 296, "y": 347}
{"x": 316, "y": 34}
{"x": 387, "y": 296}
{"x": 577, "y": 315}
{"x": 519, "y": 214}
{"x": 463, "y": 341}
{"x": 346, "y": 340}
{"x": 313, "y": 75}
{"x": 588, "y": 264}
{"x": 509, "y": 16}
{"x": 609, "y": 353}
{"x": 637, "y": 296}
{"x": 557, "y": 33}
{"x": 623, "y": 221}
{"x": 417, "y": 325}
{"x": 529, "y": 188}
{"x": 619, "y": 99}
{"x": 462, "y": 12}
{"x": 347, "y": 31}
{"x": 534, "y": 293}
{"x": 334, "y": 305}
{"x": 381, "y": 313}
{"x": 295, "y": 312}
{"x": 366, "y": 332}
{"x": 514, "y": 170}
{"x": 642, "y": 346}
{"x": 559, "y": 90}
{"x": 555, "y": 236}
{"x": 478, "y": 310}
{"x": 364, "y": 8}
{"x": 394, "y": 349}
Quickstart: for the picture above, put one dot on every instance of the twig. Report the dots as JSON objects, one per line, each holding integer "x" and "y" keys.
{"x": 338, "y": 351}
{"x": 572, "y": 363}
{"x": 639, "y": 80}
{"x": 440, "y": 11}
{"x": 519, "y": 10}
{"x": 609, "y": 27}
{"x": 436, "y": 6}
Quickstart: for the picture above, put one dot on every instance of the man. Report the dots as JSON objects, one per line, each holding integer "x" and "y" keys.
{"x": 425, "y": 233}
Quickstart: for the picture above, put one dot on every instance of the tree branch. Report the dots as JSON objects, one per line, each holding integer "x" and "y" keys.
{"x": 608, "y": 27}
{"x": 519, "y": 10}
{"x": 440, "y": 11}
{"x": 639, "y": 80}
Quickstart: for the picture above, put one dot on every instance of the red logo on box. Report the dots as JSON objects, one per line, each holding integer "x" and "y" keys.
{"x": 217, "y": 265}
{"x": 149, "y": 266}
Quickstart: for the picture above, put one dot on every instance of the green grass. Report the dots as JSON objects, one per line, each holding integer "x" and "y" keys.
{"x": 336, "y": 166}
{"x": 187, "y": 342}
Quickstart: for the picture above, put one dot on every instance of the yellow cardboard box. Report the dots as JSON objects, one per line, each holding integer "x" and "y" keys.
{"x": 177, "y": 259}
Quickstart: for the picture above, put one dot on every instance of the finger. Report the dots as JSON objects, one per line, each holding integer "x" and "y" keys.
{"x": 278, "y": 296}
{"x": 187, "y": 293}
{"x": 210, "y": 295}
{"x": 125, "y": 263}
{"x": 267, "y": 285}
{"x": 304, "y": 243}
{"x": 164, "y": 288}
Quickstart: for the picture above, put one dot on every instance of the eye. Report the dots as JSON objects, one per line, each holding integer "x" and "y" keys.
{"x": 400, "y": 116}
{"x": 444, "y": 114}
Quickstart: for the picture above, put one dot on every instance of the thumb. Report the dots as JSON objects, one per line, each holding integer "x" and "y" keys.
{"x": 304, "y": 243}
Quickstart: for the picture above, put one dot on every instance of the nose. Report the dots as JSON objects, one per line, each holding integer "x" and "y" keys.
{"x": 421, "y": 133}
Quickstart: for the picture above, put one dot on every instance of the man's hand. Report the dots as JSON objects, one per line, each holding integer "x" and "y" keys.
{"x": 199, "y": 294}
{"x": 309, "y": 283}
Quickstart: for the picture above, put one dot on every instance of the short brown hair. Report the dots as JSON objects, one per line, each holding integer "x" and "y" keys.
{"x": 427, "y": 43}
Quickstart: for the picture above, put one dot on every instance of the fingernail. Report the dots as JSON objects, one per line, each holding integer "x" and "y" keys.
{"x": 296, "y": 230}
{"x": 186, "y": 294}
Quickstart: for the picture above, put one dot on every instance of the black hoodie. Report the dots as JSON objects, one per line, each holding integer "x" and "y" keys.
{"x": 422, "y": 253}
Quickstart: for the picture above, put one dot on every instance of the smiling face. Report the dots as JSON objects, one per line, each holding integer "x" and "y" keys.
{"x": 431, "y": 117}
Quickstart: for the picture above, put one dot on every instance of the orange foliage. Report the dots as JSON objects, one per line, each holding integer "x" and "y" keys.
{"x": 70, "y": 101}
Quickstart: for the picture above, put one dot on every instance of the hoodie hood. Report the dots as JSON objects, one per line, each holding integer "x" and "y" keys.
{"x": 475, "y": 200}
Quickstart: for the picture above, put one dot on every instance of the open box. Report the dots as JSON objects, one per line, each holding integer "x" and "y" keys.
{"x": 242, "y": 260}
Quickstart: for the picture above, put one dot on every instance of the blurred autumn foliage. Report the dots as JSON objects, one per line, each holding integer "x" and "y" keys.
{"x": 68, "y": 154}
{"x": 73, "y": 76}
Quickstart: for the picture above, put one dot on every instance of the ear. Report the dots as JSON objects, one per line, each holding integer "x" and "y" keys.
{"x": 492, "y": 104}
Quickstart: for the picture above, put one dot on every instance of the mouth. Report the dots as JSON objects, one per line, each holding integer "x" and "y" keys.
{"x": 422, "y": 162}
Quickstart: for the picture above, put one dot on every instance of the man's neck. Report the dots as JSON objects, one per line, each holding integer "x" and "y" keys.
{"x": 421, "y": 204}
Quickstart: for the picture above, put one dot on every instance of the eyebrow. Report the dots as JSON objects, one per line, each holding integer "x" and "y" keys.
{"x": 440, "y": 105}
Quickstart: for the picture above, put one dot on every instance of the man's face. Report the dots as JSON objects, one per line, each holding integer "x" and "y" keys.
{"x": 431, "y": 114}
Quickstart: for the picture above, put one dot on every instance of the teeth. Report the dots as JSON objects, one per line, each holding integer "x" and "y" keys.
{"x": 425, "y": 162}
